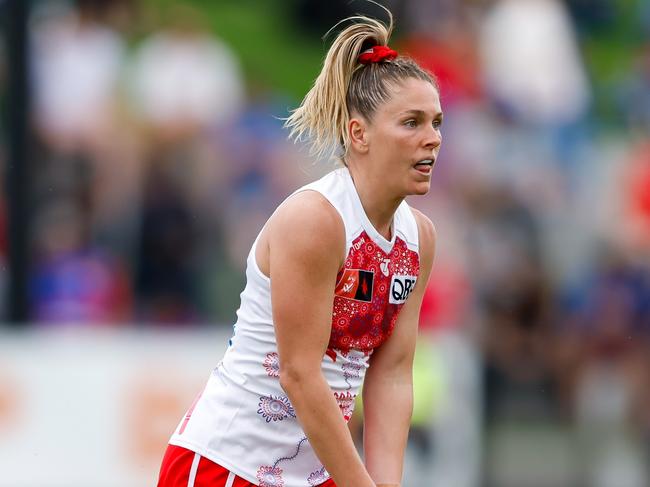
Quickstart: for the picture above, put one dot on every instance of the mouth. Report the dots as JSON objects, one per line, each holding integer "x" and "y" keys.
{"x": 424, "y": 166}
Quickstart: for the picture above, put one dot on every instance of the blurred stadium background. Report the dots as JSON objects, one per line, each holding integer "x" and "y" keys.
{"x": 141, "y": 151}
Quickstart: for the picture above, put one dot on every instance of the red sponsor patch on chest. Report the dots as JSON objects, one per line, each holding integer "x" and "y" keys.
{"x": 355, "y": 284}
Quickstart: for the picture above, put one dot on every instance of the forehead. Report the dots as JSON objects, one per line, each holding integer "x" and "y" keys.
{"x": 412, "y": 95}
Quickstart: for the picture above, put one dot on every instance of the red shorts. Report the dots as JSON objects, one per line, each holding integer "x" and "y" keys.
{"x": 184, "y": 468}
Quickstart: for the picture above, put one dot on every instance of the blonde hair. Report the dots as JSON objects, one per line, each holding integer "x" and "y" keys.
{"x": 345, "y": 86}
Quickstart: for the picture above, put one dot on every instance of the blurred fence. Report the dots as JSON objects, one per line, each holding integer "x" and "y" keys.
{"x": 95, "y": 407}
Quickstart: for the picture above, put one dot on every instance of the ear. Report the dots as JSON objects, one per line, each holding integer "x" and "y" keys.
{"x": 358, "y": 132}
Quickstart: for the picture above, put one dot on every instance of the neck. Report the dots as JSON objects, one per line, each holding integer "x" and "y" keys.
{"x": 378, "y": 206}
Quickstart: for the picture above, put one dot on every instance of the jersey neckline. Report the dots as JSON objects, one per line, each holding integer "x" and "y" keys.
{"x": 383, "y": 243}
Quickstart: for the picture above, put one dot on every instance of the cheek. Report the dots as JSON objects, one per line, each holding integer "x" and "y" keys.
{"x": 393, "y": 144}
{"x": 398, "y": 139}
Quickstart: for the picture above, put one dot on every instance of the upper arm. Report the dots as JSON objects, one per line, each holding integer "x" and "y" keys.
{"x": 306, "y": 249}
{"x": 395, "y": 356}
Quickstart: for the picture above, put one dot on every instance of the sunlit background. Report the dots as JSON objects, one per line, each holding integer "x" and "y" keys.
{"x": 142, "y": 149}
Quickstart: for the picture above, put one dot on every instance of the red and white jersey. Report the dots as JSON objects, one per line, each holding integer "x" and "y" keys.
{"x": 244, "y": 420}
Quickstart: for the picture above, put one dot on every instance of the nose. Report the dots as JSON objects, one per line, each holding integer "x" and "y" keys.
{"x": 433, "y": 138}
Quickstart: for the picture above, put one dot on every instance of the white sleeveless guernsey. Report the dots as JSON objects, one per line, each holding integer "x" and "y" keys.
{"x": 244, "y": 420}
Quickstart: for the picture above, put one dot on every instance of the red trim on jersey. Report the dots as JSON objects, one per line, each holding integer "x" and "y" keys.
{"x": 188, "y": 415}
{"x": 331, "y": 353}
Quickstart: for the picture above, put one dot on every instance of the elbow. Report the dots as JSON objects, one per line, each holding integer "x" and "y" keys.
{"x": 293, "y": 379}
{"x": 290, "y": 379}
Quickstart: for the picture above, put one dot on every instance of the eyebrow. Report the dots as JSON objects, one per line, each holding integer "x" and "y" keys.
{"x": 420, "y": 113}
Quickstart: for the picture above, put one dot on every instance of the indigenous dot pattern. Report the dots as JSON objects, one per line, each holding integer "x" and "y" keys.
{"x": 275, "y": 408}
{"x": 352, "y": 369}
{"x": 318, "y": 477}
{"x": 345, "y": 400}
{"x": 272, "y": 364}
{"x": 270, "y": 477}
{"x": 365, "y": 326}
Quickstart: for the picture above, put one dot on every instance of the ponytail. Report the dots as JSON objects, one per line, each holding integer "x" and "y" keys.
{"x": 324, "y": 113}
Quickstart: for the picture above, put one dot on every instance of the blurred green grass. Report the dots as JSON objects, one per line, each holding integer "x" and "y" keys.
{"x": 610, "y": 53}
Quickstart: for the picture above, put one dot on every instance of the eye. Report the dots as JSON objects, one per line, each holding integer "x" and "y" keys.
{"x": 411, "y": 123}
{"x": 437, "y": 123}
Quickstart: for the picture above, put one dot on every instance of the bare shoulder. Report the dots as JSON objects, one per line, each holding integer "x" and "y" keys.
{"x": 427, "y": 236}
{"x": 308, "y": 223}
{"x": 426, "y": 228}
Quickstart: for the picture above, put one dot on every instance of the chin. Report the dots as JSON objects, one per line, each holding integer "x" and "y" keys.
{"x": 420, "y": 189}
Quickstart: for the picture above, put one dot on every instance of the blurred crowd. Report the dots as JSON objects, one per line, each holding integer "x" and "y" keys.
{"x": 156, "y": 162}
{"x": 153, "y": 167}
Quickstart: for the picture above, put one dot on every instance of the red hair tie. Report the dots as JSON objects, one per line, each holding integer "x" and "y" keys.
{"x": 377, "y": 54}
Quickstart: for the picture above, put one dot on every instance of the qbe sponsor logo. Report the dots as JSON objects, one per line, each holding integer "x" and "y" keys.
{"x": 400, "y": 288}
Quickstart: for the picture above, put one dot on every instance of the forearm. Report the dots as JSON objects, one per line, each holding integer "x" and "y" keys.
{"x": 323, "y": 423}
{"x": 385, "y": 435}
